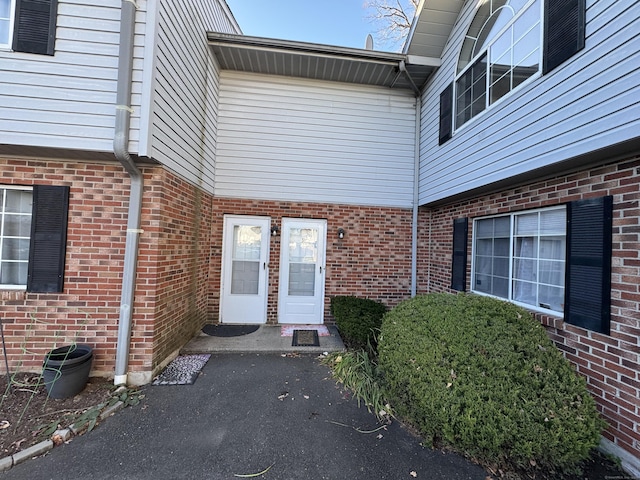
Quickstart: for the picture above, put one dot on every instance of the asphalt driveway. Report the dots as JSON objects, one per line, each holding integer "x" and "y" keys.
{"x": 244, "y": 414}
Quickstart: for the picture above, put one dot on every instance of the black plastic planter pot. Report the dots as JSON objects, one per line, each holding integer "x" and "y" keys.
{"x": 66, "y": 370}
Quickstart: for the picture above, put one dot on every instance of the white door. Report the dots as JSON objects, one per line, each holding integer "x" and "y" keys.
{"x": 245, "y": 269}
{"x": 302, "y": 270}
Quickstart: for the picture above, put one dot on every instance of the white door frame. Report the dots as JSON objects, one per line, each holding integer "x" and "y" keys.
{"x": 302, "y": 309}
{"x": 244, "y": 308}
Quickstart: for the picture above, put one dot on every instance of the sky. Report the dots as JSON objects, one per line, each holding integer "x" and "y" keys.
{"x": 333, "y": 22}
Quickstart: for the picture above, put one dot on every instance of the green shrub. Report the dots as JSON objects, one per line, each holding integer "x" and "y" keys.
{"x": 481, "y": 375}
{"x": 358, "y": 319}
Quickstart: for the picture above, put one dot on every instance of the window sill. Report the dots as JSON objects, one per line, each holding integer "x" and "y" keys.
{"x": 539, "y": 313}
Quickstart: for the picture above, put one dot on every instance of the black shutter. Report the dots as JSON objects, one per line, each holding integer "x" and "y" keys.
{"x": 48, "y": 238}
{"x": 459, "y": 262}
{"x": 35, "y": 26}
{"x": 588, "y": 271}
{"x": 446, "y": 114}
{"x": 564, "y": 31}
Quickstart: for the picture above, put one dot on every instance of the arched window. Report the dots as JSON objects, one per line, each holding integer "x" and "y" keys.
{"x": 501, "y": 49}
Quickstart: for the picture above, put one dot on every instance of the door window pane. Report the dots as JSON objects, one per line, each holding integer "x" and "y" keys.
{"x": 245, "y": 261}
{"x": 303, "y": 254}
{"x": 302, "y": 279}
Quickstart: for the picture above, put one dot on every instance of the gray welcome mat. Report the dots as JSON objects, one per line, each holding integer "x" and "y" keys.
{"x": 305, "y": 338}
{"x": 183, "y": 370}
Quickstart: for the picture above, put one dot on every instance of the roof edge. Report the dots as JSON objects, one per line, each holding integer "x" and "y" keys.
{"x": 216, "y": 38}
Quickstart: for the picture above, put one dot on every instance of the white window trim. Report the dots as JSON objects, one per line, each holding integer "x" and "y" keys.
{"x": 22, "y": 188}
{"x": 512, "y": 215}
{"x": 12, "y": 21}
{"x": 491, "y": 106}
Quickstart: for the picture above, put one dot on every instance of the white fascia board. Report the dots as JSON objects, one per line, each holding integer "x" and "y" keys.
{"x": 424, "y": 61}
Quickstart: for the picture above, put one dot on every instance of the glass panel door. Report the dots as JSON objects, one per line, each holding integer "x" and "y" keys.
{"x": 301, "y": 295}
{"x": 244, "y": 269}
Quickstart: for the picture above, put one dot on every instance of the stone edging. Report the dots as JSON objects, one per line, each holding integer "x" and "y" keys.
{"x": 58, "y": 438}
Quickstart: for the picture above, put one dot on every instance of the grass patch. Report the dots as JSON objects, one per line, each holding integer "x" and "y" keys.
{"x": 359, "y": 373}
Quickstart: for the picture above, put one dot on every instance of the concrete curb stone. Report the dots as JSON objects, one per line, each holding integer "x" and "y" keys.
{"x": 34, "y": 451}
{"x": 43, "y": 447}
{"x": 6, "y": 463}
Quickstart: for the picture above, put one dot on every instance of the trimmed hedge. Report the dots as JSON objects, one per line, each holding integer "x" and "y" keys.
{"x": 481, "y": 375}
{"x": 358, "y": 319}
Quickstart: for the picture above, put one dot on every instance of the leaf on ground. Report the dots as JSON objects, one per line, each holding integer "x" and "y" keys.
{"x": 252, "y": 475}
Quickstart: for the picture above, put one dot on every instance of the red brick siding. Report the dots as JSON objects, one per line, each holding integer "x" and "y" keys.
{"x": 171, "y": 291}
{"x": 175, "y": 264}
{"x": 373, "y": 260}
{"x": 179, "y": 263}
{"x": 610, "y": 363}
{"x": 87, "y": 310}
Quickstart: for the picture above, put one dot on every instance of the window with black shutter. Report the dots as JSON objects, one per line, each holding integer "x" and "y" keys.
{"x": 48, "y": 238}
{"x": 34, "y": 30}
{"x": 501, "y": 51}
{"x": 564, "y": 31}
{"x": 446, "y": 114}
{"x": 459, "y": 261}
{"x": 588, "y": 271}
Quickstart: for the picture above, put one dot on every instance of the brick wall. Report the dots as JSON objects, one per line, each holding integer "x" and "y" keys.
{"x": 173, "y": 266}
{"x": 87, "y": 310}
{"x": 171, "y": 291}
{"x": 373, "y": 260}
{"x": 610, "y": 363}
{"x": 180, "y": 256}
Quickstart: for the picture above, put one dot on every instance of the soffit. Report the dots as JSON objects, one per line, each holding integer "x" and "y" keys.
{"x": 432, "y": 26}
{"x": 320, "y": 62}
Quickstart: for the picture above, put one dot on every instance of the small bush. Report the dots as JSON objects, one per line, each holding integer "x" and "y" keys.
{"x": 358, "y": 319}
{"x": 481, "y": 375}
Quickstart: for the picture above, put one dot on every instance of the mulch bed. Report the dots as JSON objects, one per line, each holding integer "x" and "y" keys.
{"x": 26, "y": 410}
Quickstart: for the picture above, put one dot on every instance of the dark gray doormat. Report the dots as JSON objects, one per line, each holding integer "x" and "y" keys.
{"x": 183, "y": 370}
{"x": 305, "y": 338}
{"x": 229, "y": 330}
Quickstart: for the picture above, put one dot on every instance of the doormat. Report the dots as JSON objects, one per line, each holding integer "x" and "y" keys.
{"x": 287, "y": 330}
{"x": 229, "y": 330}
{"x": 305, "y": 338}
{"x": 183, "y": 370}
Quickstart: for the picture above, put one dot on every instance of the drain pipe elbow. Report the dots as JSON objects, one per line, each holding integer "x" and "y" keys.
{"x": 121, "y": 152}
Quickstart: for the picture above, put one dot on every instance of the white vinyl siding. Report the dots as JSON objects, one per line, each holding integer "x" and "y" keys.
{"x": 582, "y": 106}
{"x": 185, "y": 88}
{"x": 281, "y": 138}
{"x": 68, "y": 100}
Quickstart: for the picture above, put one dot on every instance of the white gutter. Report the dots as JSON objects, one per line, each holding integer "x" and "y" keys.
{"x": 120, "y": 149}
